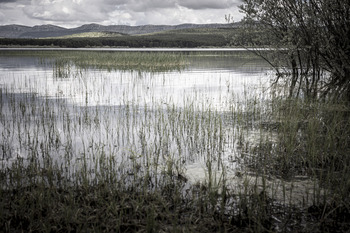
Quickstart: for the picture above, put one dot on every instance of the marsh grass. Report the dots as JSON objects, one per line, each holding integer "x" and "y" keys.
{"x": 62, "y": 61}
{"x": 67, "y": 169}
{"x": 124, "y": 168}
{"x": 301, "y": 140}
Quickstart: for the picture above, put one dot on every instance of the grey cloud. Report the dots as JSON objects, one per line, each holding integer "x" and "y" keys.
{"x": 68, "y": 10}
{"x": 133, "y": 12}
{"x": 207, "y": 4}
{"x": 147, "y": 5}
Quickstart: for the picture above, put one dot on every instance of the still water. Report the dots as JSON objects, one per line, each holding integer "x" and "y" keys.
{"x": 117, "y": 109}
{"x": 179, "y": 121}
{"x": 183, "y": 121}
{"x": 213, "y": 77}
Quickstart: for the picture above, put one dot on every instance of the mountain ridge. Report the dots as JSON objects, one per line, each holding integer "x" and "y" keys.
{"x": 49, "y": 30}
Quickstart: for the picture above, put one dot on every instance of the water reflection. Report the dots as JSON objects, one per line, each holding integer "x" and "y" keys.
{"x": 207, "y": 77}
{"x": 174, "y": 117}
{"x": 159, "y": 122}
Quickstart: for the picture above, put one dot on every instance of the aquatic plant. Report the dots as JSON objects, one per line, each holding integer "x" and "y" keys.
{"x": 263, "y": 163}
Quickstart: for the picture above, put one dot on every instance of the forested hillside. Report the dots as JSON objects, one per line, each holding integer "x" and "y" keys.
{"x": 186, "y": 38}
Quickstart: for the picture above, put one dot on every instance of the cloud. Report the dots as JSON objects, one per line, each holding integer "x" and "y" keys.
{"x": 207, "y": 4}
{"x": 2, "y": 1}
{"x": 146, "y": 5}
{"x": 68, "y": 10}
{"x": 72, "y": 13}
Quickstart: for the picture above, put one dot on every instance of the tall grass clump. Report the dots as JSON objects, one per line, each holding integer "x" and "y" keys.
{"x": 304, "y": 143}
{"x": 62, "y": 61}
{"x": 115, "y": 168}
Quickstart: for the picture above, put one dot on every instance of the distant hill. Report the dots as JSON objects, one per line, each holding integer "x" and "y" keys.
{"x": 49, "y": 31}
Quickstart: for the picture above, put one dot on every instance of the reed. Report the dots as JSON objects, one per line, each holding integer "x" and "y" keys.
{"x": 269, "y": 162}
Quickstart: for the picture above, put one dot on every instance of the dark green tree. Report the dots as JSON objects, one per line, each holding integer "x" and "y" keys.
{"x": 310, "y": 38}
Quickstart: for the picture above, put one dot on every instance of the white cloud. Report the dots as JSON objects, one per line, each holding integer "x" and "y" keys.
{"x": 71, "y": 13}
{"x": 64, "y": 11}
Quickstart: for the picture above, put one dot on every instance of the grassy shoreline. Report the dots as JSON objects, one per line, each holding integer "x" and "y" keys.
{"x": 125, "y": 168}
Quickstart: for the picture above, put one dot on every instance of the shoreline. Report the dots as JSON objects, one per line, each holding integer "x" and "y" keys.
{"x": 155, "y": 49}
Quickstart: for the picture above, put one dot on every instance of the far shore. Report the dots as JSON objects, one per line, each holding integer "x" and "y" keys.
{"x": 211, "y": 49}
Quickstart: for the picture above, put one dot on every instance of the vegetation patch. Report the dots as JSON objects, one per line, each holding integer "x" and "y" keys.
{"x": 122, "y": 168}
{"x": 177, "y": 38}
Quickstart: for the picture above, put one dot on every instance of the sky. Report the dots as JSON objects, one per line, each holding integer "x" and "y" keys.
{"x": 73, "y": 13}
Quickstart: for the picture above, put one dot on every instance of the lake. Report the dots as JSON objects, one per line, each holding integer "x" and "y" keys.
{"x": 163, "y": 112}
{"x": 215, "y": 74}
{"x": 161, "y": 138}
{"x": 206, "y": 81}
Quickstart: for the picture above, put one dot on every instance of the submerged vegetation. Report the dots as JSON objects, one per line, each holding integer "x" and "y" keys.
{"x": 269, "y": 163}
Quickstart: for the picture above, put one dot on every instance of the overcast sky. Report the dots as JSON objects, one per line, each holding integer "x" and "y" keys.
{"x": 72, "y": 13}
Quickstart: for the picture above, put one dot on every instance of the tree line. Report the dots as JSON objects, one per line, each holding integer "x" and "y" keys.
{"x": 161, "y": 40}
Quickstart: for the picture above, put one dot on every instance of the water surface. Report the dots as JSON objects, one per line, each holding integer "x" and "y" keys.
{"x": 182, "y": 118}
{"x": 209, "y": 76}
